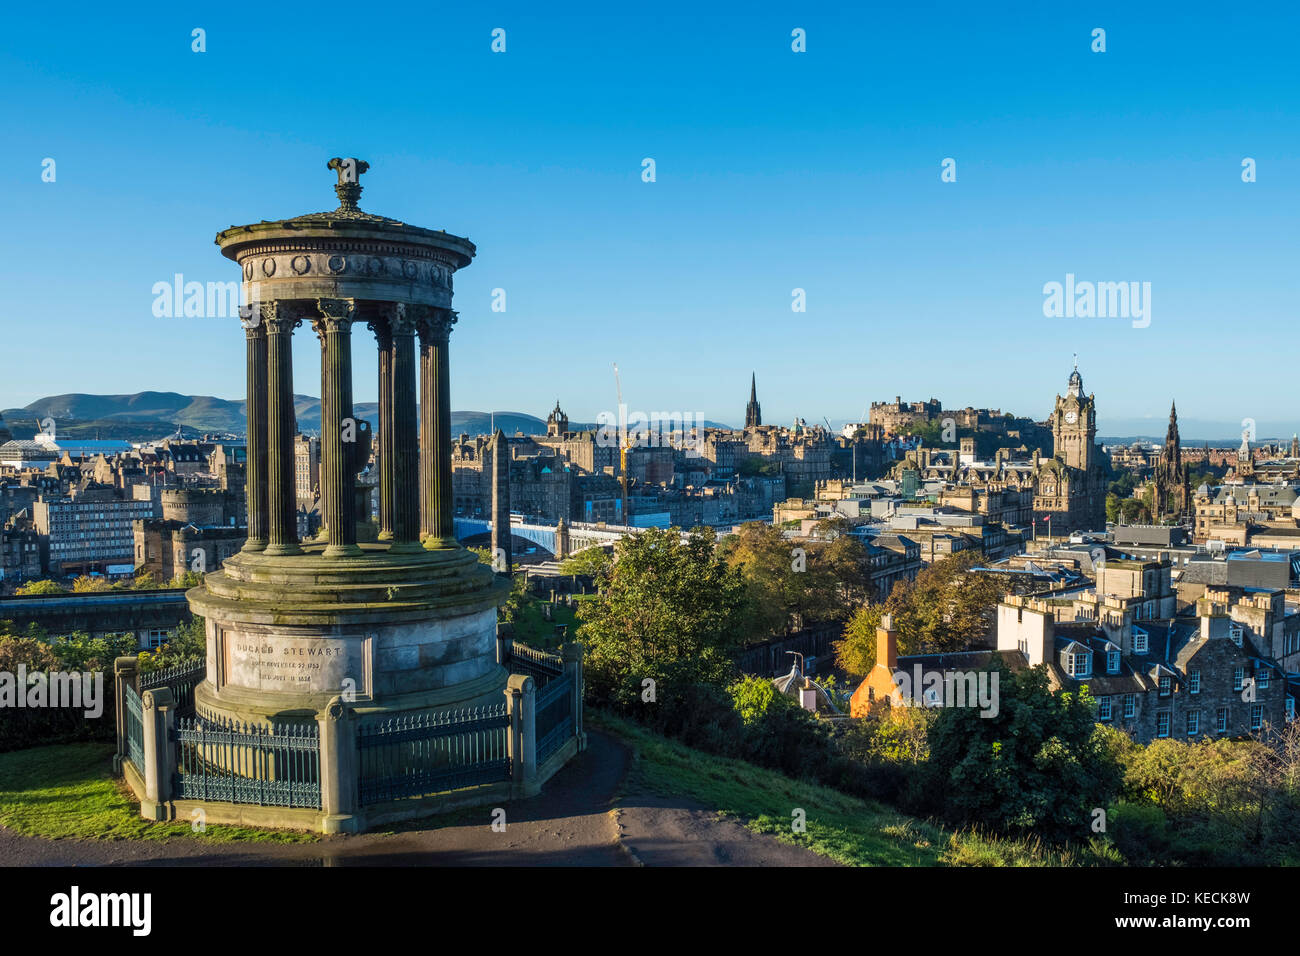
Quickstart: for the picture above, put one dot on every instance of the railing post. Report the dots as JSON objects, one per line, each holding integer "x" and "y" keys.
{"x": 521, "y": 698}
{"x": 158, "y": 713}
{"x": 571, "y": 654}
{"x": 505, "y": 643}
{"x": 338, "y": 768}
{"x": 126, "y": 671}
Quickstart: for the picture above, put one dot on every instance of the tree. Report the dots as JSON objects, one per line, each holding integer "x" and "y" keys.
{"x": 187, "y": 645}
{"x": 855, "y": 652}
{"x": 791, "y": 582}
{"x": 672, "y": 612}
{"x": 947, "y": 607}
{"x": 593, "y": 562}
{"x": 1040, "y": 764}
{"x": 32, "y": 588}
{"x": 189, "y": 579}
{"x": 86, "y": 583}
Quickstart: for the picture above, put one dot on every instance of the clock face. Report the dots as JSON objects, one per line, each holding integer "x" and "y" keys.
{"x": 1071, "y": 418}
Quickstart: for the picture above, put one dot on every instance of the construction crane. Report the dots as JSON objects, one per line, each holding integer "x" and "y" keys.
{"x": 622, "y": 445}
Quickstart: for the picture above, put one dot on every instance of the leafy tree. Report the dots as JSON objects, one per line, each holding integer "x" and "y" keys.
{"x": 81, "y": 652}
{"x": 891, "y": 735}
{"x": 855, "y": 652}
{"x": 41, "y": 587}
{"x": 1039, "y": 764}
{"x": 189, "y": 579}
{"x": 187, "y": 645}
{"x": 144, "y": 581}
{"x": 777, "y": 731}
{"x": 595, "y": 562}
{"x": 791, "y": 583}
{"x": 671, "y": 611}
{"x": 86, "y": 583}
{"x": 946, "y": 607}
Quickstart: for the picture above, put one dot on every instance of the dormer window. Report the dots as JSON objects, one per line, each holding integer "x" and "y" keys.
{"x": 1112, "y": 662}
{"x": 1236, "y": 632}
{"x": 1166, "y": 685}
{"x": 1080, "y": 665}
{"x": 1139, "y": 641}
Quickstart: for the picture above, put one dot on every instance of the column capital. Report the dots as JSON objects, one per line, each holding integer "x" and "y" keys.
{"x": 401, "y": 318}
{"x": 434, "y": 324}
{"x": 281, "y": 316}
{"x": 250, "y": 317}
{"x": 335, "y": 312}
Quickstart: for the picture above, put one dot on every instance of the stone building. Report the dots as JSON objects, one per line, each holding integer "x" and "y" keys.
{"x": 20, "y": 549}
{"x": 90, "y": 529}
{"x": 1070, "y": 488}
{"x": 306, "y": 469}
{"x": 1238, "y": 514}
{"x": 1152, "y": 679}
{"x": 168, "y": 548}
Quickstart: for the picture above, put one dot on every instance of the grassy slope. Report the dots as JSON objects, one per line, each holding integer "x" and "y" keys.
{"x": 67, "y": 791}
{"x": 847, "y": 829}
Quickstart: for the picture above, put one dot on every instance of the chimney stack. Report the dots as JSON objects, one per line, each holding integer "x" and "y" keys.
{"x": 887, "y": 644}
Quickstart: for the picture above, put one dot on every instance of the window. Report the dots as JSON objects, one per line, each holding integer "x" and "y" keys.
{"x": 1139, "y": 641}
{"x": 1193, "y": 723}
{"x": 1103, "y": 708}
{"x": 1290, "y": 709}
{"x": 1238, "y": 677}
{"x": 1130, "y": 705}
{"x": 1256, "y": 716}
{"x": 1162, "y": 724}
{"x": 1080, "y": 665}
{"x": 1235, "y": 631}
{"x": 1221, "y": 720}
{"x": 1166, "y": 685}
{"x": 1112, "y": 662}
{"x": 1261, "y": 678}
{"x": 1194, "y": 682}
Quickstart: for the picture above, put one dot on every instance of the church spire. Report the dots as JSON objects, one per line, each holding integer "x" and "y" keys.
{"x": 753, "y": 416}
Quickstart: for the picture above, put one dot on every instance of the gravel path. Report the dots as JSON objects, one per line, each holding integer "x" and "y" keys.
{"x": 575, "y": 821}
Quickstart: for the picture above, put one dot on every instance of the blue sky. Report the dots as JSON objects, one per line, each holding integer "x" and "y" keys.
{"x": 775, "y": 171}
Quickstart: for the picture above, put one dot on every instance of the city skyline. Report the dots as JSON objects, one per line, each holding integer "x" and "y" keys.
{"x": 1122, "y": 166}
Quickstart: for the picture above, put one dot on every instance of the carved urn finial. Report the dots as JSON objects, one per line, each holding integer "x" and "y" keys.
{"x": 349, "y": 185}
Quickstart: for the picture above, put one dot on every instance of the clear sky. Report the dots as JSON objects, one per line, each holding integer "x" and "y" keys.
{"x": 775, "y": 170}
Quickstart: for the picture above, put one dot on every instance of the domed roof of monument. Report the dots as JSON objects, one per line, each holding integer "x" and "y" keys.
{"x": 347, "y": 218}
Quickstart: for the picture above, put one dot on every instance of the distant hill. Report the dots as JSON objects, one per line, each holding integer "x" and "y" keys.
{"x": 150, "y": 415}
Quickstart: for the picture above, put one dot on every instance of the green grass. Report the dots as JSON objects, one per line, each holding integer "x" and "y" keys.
{"x": 67, "y": 791}
{"x": 533, "y": 629}
{"x": 847, "y": 829}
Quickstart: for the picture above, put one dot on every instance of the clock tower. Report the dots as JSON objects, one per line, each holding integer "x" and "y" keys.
{"x": 1074, "y": 426}
{"x": 1070, "y": 487}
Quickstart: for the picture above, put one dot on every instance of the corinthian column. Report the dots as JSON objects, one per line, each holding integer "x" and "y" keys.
{"x": 282, "y": 523}
{"x": 387, "y": 490}
{"x": 406, "y": 453}
{"x": 338, "y": 428}
{"x": 438, "y": 525}
{"x": 255, "y": 412}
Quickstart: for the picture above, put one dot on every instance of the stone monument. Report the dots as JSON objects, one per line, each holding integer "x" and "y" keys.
{"x": 406, "y": 620}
